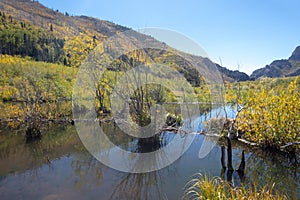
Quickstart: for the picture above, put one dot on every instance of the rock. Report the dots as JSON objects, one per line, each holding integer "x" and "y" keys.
{"x": 295, "y": 55}
{"x": 275, "y": 69}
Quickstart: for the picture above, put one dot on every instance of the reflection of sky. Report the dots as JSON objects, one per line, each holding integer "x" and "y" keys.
{"x": 216, "y": 113}
{"x": 79, "y": 176}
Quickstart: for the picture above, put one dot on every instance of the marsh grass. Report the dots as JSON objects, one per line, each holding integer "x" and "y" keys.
{"x": 203, "y": 187}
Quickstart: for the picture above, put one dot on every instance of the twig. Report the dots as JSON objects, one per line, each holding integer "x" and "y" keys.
{"x": 247, "y": 142}
{"x": 289, "y": 144}
{"x": 234, "y": 120}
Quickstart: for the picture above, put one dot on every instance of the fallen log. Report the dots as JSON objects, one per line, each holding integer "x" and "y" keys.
{"x": 247, "y": 142}
{"x": 289, "y": 144}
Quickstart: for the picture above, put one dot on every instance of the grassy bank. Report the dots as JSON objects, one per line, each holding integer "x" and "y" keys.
{"x": 216, "y": 188}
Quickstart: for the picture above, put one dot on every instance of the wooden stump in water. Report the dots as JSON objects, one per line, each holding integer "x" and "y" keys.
{"x": 229, "y": 167}
{"x": 223, "y": 162}
{"x": 229, "y": 154}
{"x": 241, "y": 169}
{"x": 242, "y": 164}
{"x": 149, "y": 144}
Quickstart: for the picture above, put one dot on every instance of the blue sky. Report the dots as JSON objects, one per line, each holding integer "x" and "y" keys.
{"x": 250, "y": 33}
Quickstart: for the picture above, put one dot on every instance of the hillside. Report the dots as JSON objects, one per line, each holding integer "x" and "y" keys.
{"x": 231, "y": 76}
{"x": 280, "y": 68}
{"x": 63, "y": 24}
{"x": 30, "y": 29}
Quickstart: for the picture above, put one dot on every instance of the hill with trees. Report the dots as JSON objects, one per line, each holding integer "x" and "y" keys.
{"x": 30, "y": 29}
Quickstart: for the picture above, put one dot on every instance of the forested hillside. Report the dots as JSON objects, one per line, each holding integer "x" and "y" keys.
{"x": 30, "y": 29}
{"x": 24, "y": 39}
{"x": 51, "y": 36}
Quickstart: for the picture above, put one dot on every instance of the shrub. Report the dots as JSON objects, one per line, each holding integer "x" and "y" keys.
{"x": 271, "y": 118}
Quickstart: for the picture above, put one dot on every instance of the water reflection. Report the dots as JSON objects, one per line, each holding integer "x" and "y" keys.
{"x": 18, "y": 155}
{"x": 58, "y": 167}
{"x": 267, "y": 167}
{"x": 131, "y": 184}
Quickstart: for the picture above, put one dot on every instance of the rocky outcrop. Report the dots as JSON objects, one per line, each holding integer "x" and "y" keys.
{"x": 280, "y": 68}
{"x": 295, "y": 55}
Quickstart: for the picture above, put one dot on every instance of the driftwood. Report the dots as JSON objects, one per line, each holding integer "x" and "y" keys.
{"x": 175, "y": 129}
{"x": 247, "y": 142}
{"x": 289, "y": 144}
{"x": 217, "y": 135}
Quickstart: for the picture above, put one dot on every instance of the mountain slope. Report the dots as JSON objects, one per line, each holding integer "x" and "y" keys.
{"x": 280, "y": 68}
{"x": 231, "y": 76}
{"x": 72, "y": 38}
{"x": 63, "y": 24}
{"x": 295, "y": 55}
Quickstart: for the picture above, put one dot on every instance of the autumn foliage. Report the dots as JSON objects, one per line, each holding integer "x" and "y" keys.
{"x": 271, "y": 118}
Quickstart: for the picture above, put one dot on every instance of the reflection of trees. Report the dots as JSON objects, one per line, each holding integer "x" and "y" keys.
{"x": 17, "y": 155}
{"x": 88, "y": 170}
{"x": 230, "y": 170}
{"x": 261, "y": 167}
{"x": 139, "y": 186}
{"x": 145, "y": 185}
{"x": 265, "y": 167}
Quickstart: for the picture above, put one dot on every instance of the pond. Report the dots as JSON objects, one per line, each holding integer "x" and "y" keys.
{"x": 59, "y": 167}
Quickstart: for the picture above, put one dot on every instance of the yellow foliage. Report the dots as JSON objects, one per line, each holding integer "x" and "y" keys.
{"x": 7, "y": 59}
{"x": 30, "y": 89}
{"x": 272, "y": 118}
{"x": 78, "y": 47}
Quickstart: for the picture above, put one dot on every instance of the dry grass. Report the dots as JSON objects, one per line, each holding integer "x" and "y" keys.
{"x": 202, "y": 187}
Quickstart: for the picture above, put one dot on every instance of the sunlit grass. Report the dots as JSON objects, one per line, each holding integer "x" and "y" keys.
{"x": 203, "y": 187}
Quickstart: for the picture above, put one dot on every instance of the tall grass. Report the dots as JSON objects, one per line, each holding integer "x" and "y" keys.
{"x": 203, "y": 187}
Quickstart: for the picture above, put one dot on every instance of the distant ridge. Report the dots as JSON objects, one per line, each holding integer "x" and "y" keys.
{"x": 280, "y": 68}
{"x": 231, "y": 76}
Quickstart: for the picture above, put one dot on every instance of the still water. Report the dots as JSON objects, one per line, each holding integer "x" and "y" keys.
{"x": 59, "y": 167}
